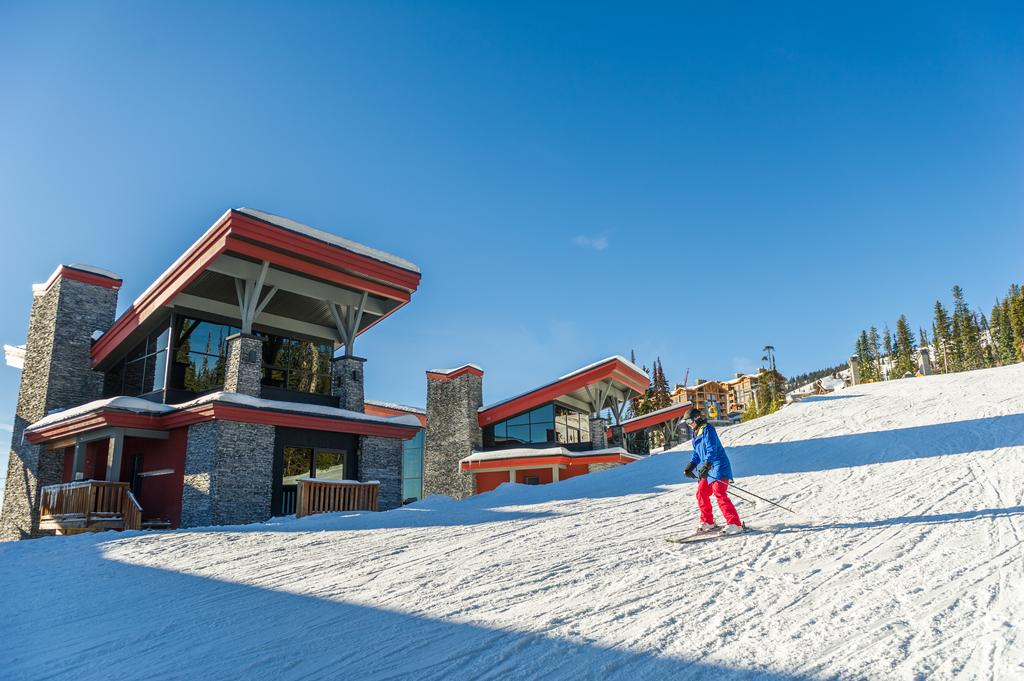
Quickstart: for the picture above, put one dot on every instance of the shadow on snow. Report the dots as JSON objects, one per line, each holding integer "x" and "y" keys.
{"x": 100, "y": 618}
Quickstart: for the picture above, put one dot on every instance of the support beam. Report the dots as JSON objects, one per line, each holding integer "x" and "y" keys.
{"x": 303, "y": 286}
{"x": 114, "y": 455}
{"x": 554, "y": 473}
{"x": 230, "y": 311}
{"x": 78, "y": 463}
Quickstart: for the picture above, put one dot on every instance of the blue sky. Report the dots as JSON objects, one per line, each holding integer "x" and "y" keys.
{"x": 575, "y": 181}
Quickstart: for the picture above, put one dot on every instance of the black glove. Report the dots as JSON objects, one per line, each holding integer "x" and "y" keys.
{"x": 689, "y": 471}
{"x": 703, "y": 472}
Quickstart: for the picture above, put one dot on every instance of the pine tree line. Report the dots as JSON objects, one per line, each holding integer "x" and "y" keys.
{"x": 961, "y": 341}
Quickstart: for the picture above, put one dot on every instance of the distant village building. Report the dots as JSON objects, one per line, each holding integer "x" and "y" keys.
{"x": 727, "y": 397}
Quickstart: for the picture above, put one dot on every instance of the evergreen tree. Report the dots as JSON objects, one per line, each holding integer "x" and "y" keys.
{"x": 966, "y": 335}
{"x": 660, "y": 396}
{"x": 1004, "y": 329}
{"x": 942, "y": 330}
{"x": 1015, "y": 313}
{"x": 905, "y": 345}
{"x": 876, "y": 351}
{"x": 888, "y": 352}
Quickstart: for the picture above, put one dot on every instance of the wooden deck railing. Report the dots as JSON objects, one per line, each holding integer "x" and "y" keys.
{"x": 88, "y": 506}
{"x": 326, "y": 496}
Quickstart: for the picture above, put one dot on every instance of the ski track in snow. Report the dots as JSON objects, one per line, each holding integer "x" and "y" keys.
{"x": 904, "y": 561}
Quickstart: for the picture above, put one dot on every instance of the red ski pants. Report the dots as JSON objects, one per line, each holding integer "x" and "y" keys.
{"x": 720, "y": 489}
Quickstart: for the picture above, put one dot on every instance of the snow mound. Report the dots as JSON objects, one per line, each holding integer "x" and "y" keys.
{"x": 904, "y": 560}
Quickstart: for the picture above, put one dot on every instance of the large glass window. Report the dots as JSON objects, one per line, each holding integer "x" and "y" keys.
{"x": 200, "y": 354}
{"x": 200, "y": 358}
{"x": 571, "y": 426}
{"x": 306, "y": 462}
{"x": 412, "y": 469}
{"x": 536, "y": 426}
{"x": 143, "y": 370}
{"x": 300, "y": 365}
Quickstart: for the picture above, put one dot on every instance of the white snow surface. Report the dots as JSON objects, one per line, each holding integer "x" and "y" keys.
{"x": 904, "y": 560}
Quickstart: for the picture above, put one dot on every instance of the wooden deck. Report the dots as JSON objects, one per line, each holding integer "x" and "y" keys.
{"x": 88, "y": 506}
{"x": 330, "y": 496}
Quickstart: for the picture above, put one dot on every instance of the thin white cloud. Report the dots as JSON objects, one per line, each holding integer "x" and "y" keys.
{"x": 598, "y": 243}
{"x": 7, "y": 426}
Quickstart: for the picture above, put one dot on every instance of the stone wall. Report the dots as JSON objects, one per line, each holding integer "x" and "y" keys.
{"x": 380, "y": 458}
{"x": 228, "y": 474}
{"x": 599, "y": 433}
{"x": 453, "y": 432}
{"x": 598, "y": 467}
{"x": 57, "y": 374}
{"x": 347, "y": 377}
{"x": 244, "y": 371}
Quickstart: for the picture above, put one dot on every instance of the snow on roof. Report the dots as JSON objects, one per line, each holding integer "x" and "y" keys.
{"x": 135, "y": 405}
{"x": 657, "y": 412}
{"x": 140, "y": 406}
{"x": 329, "y": 238}
{"x": 569, "y": 375}
{"x": 14, "y": 355}
{"x": 396, "y": 406}
{"x": 454, "y": 369}
{"x": 92, "y": 269}
{"x": 38, "y": 289}
{"x": 524, "y": 452}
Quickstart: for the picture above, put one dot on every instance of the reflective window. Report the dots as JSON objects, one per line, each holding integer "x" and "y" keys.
{"x": 330, "y": 465}
{"x": 532, "y": 427}
{"x": 200, "y": 354}
{"x": 571, "y": 426}
{"x": 143, "y": 369}
{"x": 296, "y": 464}
{"x": 300, "y": 365}
{"x": 412, "y": 469}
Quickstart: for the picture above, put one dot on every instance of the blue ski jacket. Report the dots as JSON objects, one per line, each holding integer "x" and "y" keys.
{"x": 707, "y": 447}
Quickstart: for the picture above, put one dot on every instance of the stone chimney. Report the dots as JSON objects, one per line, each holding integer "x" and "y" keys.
{"x": 454, "y": 398}
{"x": 67, "y": 311}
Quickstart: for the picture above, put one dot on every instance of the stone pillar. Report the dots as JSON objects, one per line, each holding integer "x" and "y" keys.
{"x": 347, "y": 376}
{"x": 380, "y": 458}
{"x": 453, "y": 429}
{"x": 618, "y": 438}
{"x": 598, "y": 432}
{"x": 854, "y": 370}
{"x": 228, "y": 474}
{"x": 57, "y": 374}
{"x": 926, "y": 361}
{"x": 244, "y": 371}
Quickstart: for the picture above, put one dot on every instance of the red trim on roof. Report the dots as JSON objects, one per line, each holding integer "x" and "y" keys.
{"x": 642, "y": 422}
{"x": 377, "y": 410}
{"x": 613, "y": 368}
{"x": 538, "y": 461}
{"x": 362, "y": 272}
{"x": 216, "y": 411}
{"x": 440, "y": 376}
{"x": 88, "y": 277}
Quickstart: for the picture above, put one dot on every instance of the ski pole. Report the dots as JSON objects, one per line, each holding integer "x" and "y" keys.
{"x": 740, "y": 489}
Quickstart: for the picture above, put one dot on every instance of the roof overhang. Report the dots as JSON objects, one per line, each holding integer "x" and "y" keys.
{"x": 534, "y": 458}
{"x": 589, "y": 389}
{"x": 656, "y": 418}
{"x": 390, "y": 409}
{"x": 269, "y": 412}
{"x": 312, "y": 274}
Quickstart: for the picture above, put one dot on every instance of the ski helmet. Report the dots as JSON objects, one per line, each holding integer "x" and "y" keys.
{"x": 694, "y": 414}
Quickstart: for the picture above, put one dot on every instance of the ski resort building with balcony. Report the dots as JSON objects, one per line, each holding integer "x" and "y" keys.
{"x": 550, "y": 433}
{"x": 216, "y": 394}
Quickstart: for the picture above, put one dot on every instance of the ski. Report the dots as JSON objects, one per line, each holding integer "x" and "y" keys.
{"x": 708, "y": 534}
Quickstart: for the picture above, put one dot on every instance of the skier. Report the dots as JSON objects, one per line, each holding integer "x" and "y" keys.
{"x": 713, "y": 476}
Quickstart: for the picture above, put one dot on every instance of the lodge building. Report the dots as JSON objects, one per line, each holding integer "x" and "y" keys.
{"x": 217, "y": 390}
{"x": 219, "y": 395}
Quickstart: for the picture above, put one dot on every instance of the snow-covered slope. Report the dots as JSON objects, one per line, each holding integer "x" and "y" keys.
{"x": 904, "y": 560}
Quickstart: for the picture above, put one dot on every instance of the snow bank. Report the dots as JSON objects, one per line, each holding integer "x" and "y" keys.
{"x": 905, "y": 560}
